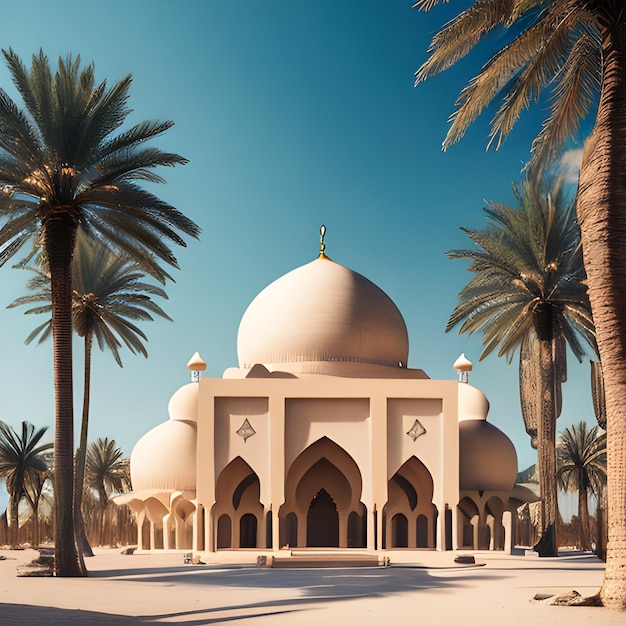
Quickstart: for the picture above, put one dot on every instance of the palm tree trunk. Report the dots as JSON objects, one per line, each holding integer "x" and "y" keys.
{"x": 36, "y": 521}
{"x": 79, "y": 469}
{"x": 15, "y": 522}
{"x": 583, "y": 517}
{"x": 546, "y": 442}
{"x": 103, "y": 502}
{"x": 4, "y": 527}
{"x": 602, "y": 217}
{"x": 60, "y": 234}
{"x": 601, "y": 525}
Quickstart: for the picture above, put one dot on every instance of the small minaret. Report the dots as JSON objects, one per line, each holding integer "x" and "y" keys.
{"x": 463, "y": 366}
{"x": 196, "y": 365}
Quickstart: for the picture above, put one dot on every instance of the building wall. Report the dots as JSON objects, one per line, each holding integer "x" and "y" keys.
{"x": 368, "y": 418}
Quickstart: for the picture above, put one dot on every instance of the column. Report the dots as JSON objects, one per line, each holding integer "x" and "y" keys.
{"x": 507, "y": 524}
{"x": 371, "y": 529}
{"x": 276, "y": 409}
{"x": 378, "y": 455}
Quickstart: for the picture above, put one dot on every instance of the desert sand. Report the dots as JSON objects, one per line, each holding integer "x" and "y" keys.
{"x": 162, "y": 589}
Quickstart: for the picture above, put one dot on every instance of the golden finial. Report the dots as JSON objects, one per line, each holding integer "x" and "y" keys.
{"x": 322, "y": 244}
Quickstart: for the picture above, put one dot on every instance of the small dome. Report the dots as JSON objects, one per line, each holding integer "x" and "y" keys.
{"x": 473, "y": 404}
{"x": 318, "y": 317}
{"x": 487, "y": 457}
{"x": 165, "y": 458}
{"x": 183, "y": 404}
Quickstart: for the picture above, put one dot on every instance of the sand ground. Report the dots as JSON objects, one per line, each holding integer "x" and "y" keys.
{"x": 161, "y": 589}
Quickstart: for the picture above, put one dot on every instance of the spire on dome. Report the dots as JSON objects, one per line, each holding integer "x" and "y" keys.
{"x": 322, "y": 244}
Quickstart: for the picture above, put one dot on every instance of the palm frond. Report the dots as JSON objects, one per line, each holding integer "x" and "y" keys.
{"x": 497, "y": 76}
{"x": 106, "y": 470}
{"x": 574, "y": 96}
{"x": 110, "y": 293}
{"x": 136, "y": 135}
{"x": 427, "y": 5}
{"x": 581, "y": 459}
{"x": 63, "y": 150}
{"x": 527, "y": 260}
{"x": 546, "y": 45}
{"x": 459, "y": 36}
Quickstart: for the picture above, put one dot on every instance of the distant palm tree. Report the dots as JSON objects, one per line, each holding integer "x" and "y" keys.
{"x": 528, "y": 293}
{"x": 109, "y": 293}
{"x": 66, "y": 166}
{"x": 570, "y": 54}
{"x": 34, "y": 486}
{"x": 107, "y": 472}
{"x": 581, "y": 467}
{"x": 20, "y": 458}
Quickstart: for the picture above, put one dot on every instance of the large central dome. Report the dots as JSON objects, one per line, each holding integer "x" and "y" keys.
{"x": 319, "y": 316}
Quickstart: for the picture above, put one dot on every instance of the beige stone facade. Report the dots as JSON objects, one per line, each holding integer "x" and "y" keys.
{"x": 323, "y": 437}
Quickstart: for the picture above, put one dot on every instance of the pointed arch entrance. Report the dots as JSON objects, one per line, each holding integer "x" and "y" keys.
{"x": 410, "y": 517}
{"x": 322, "y": 500}
{"x": 322, "y": 522}
{"x": 238, "y": 512}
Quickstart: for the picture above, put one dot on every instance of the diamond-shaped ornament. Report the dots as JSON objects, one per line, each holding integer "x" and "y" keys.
{"x": 246, "y": 431}
{"x": 417, "y": 430}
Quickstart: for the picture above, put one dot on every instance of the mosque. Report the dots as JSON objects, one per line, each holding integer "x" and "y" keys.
{"x": 323, "y": 437}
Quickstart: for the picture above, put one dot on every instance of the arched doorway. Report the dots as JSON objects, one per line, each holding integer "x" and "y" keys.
{"x": 322, "y": 498}
{"x": 409, "y": 517}
{"x": 291, "y": 530}
{"x": 247, "y": 531}
{"x": 493, "y": 519}
{"x": 223, "y": 532}
{"x": 422, "y": 532}
{"x": 468, "y": 523}
{"x": 182, "y": 511}
{"x": 399, "y": 531}
{"x": 322, "y": 522}
{"x": 238, "y": 500}
{"x": 357, "y": 529}
{"x": 155, "y": 512}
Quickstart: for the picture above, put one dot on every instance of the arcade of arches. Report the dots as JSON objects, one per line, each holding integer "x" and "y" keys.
{"x": 323, "y": 507}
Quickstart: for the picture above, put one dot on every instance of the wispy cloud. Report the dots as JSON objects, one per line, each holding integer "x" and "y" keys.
{"x": 570, "y": 164}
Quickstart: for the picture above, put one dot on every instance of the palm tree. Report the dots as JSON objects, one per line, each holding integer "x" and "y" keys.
{"x": 109, "y": 294}
{"x": 576, "y": 49}
{"x": 581, "y": 467}
{"x": 34, "y": 486}
{"x": 107, "y": 472}
{"x": 21, "y": 456}
{"x": 528, "y": 292}
{"x": 63, "y": 167}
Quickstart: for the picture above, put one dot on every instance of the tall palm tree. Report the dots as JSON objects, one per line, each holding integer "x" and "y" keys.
{"x": 107, "y": 472}
{"x": 528, "y": 293}
{"x": 20, "y": 457}
{"x": 65, "y": 165}
{"x": 581, "y": 467}
{"x": 109, "y": 293}
{"x": 576, "y": 49}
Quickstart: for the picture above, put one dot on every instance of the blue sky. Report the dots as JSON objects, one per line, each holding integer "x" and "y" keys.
{"x": 292, "y": 114}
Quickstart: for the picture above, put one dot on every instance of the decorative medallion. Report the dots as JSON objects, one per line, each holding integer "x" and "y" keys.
{"x": 417, "y": 430}
{"x": 246, "y": 430}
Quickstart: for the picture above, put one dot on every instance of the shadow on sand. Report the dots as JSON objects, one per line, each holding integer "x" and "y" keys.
{"x": 313, "y": 587}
